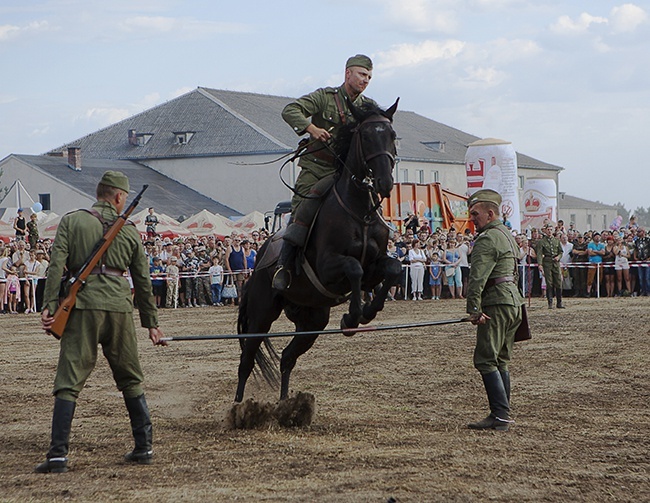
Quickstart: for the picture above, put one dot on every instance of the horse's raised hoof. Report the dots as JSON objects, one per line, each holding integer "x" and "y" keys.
{"x": 347, "y": 331}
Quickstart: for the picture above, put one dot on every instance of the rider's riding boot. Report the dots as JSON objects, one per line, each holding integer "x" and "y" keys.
{"x": 499, "y": 418}
{"x": 286, "y": 265}
{"x": 57, "y": 461}
{"x": 142, "y": 430}
{"x": 558, "y": 294}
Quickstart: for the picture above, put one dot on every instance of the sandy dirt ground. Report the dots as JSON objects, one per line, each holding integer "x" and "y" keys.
{"x": 390, "y": 418}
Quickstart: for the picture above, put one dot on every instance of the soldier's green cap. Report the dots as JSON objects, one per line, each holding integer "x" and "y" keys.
{"x": 115, "y": 179}
{"x": 484, "y": 196}
{"x": 359, "y": 60}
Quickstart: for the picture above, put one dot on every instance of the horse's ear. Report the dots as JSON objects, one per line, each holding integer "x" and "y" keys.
{"x": 354, "y": 111}
{"x": 391, "y": 111}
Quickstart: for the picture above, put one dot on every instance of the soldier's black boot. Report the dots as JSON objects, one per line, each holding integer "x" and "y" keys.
{"x": 57, "y": 460}
{"x": 499, "y": 418}
{"x": 505, "y": 378}
{"x": 558, "y": 295}
{"x": 142, "y": 430}
{"x": 549, "y": 297}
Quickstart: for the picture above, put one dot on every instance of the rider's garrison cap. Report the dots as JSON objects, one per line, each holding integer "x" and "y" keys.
{"x": 359, "y": 60}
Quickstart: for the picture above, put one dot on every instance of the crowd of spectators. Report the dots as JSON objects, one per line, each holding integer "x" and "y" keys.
{"x": 209, "y": 271}
{"x": 185, "y": 272}
{"x": 609, "y": 263}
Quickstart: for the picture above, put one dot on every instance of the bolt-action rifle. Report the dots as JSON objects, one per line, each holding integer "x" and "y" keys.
{"x": 77, "y": 281}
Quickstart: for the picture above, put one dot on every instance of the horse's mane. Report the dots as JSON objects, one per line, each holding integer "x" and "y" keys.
{"x": 341, "y": 144}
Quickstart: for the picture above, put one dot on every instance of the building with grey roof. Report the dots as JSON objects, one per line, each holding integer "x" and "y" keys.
{"x": 222, "y": 151}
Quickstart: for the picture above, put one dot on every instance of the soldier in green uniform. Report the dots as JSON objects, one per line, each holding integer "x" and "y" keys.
{"x": 549, "y": 253}
{"x": 321, "y": 114}
{"x": 103, "y": 314}
{"x": 494, "y": 305}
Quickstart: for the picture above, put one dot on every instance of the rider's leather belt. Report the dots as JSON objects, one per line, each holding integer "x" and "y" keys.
{"x": 323, "y": 155}
{"x": 496, "y": 281}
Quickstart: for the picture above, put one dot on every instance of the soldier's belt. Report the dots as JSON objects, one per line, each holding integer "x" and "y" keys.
{"x": 108, "y": 271}
{"x": 496, "y": 281}
{"x": 321, "y": 153}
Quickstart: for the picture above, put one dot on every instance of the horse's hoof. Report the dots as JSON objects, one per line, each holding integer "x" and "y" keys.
{"x": 348, "y": 332}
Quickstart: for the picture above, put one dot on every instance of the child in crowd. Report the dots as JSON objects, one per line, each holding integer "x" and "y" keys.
{"x": 157, "y": 271}
{"x": 216, "y": 280}
{"x": 435, "y": 274}
{"x": 13, "y": 290}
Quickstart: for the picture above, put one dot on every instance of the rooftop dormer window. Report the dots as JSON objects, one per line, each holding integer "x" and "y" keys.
{"x": 183, "y": 137}
{"x": 436, "y": 146}
{"x": 139, "y": 139}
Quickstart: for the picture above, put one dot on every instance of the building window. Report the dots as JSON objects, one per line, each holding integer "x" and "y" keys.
{"x": 589, "y": 221}
{"x": 419, "y": 175}
{"x": 521, "y": 182}
{"x": 436, "y": 146}
{"x": 403, "y": 175}
{"x": 44, "y": 199}
{"x": 435, "y": 176}
{"x": 604, "y": 221}
{"x": 143, "y": 138}
{"x": 183, "y": 137}
{"x": 572, "y": 218}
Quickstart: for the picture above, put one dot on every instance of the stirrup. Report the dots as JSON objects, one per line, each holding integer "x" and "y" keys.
{"x": 282, "y": 279}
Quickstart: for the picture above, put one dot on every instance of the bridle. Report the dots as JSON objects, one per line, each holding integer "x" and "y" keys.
{"x": 360, "y": 154}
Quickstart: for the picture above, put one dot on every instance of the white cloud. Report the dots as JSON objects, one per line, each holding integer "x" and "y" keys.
{"x": 8, "y": 31}
{"x": 40, "y": 131}
{"x": 422, "y": 15}
{"x": 106, "y": 115}
{"x": 181, "y": 91}
{"x": 416, "y": 54}
{"x": 483, "y": 76}
{"x": 627, "y": 18}
{"x": 504, "y": 51}
{"x": 566, "y": 25}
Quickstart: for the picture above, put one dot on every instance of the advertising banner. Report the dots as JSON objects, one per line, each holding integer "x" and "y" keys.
{"x": 540, "y": 202}
{"x": 492, "y": 164}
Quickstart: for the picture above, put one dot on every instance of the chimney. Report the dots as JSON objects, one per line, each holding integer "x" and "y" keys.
{"x": 74, "y": 158}
{"x": 133, "y": 138}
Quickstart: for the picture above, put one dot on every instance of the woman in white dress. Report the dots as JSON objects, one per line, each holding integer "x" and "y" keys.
{"x": 417, "y": 258}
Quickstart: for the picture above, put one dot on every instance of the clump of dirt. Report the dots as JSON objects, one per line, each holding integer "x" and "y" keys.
{"x": 250, "y": 415}
{"x": 296, "y": 411}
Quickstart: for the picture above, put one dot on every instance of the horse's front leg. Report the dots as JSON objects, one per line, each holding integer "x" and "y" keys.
{"x": 306, "y": 319}
{"x": 354, "y": 272}
{"x": 391, "y": 270}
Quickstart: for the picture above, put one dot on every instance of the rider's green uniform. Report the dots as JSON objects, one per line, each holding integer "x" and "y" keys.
{"x": 319, "y": 108}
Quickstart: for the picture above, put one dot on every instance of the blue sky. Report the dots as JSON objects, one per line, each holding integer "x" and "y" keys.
{"x": 565, "y": 82}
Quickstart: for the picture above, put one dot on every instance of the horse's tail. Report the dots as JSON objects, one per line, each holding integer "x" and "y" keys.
{"x": 267, "y": 361}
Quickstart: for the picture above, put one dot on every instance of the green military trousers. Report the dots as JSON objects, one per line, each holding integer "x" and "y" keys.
{"x": 494, "y": 340}
{"x": 307, "y": 178}
{"x": 552, "y": 273}
{"x": 86, "y": 329}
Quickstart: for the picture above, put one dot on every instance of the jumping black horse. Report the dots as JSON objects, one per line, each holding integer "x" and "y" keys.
{"x": 345, "y": 255}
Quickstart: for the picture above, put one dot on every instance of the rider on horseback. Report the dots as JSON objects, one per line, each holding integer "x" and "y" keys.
{"x": 329, "y": 109}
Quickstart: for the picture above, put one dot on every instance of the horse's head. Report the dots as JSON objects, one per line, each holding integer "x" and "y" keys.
{"x": 372, "y": 151}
